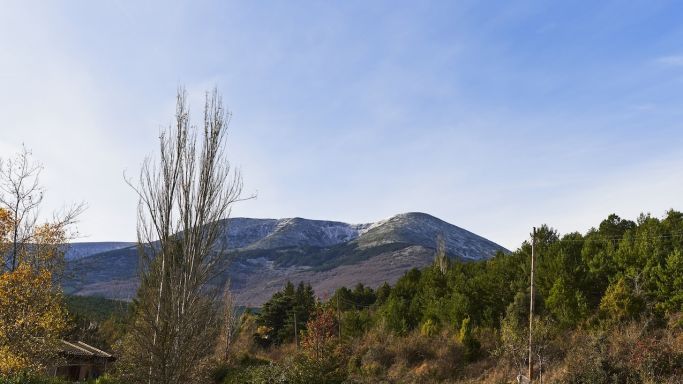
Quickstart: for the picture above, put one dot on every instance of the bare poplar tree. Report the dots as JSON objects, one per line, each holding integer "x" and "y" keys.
{"x": 21, "y": 196}
{"x": 440, "y": 257}
{"x": 231, "y": 323}
{"x": 183, "y": 196}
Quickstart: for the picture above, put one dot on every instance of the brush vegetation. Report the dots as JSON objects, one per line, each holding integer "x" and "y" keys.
{"x": 608, "y": 307}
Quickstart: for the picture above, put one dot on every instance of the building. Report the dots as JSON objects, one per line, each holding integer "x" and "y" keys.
{"x": 81, "y": 361}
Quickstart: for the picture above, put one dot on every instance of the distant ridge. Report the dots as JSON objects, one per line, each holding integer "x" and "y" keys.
{"x": 80, "y": 250}
{"x": 264, "y": 253}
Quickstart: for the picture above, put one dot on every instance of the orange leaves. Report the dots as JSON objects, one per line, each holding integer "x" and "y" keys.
{"x": 320, "y": 332}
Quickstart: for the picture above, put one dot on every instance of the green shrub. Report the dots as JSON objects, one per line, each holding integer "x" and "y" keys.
{"x": 106, "y": 379}
{"x": 304, "y": 370}
{"x": 430, "y": 328}
{"x": 260, "y": 374}
{"x": 471, "y": 344}
{"x": 248, "y": 369}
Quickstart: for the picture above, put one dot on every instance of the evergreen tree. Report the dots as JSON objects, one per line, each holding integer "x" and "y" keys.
{"x": 277, "y": 314}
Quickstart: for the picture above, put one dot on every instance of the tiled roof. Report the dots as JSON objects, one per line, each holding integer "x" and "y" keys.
{"x": 80, "y": 348}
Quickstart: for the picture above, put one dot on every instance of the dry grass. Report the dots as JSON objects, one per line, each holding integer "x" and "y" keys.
{"x": 629, "y": 353}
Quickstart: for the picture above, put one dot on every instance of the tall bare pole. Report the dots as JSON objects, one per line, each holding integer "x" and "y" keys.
{"x": 531, "y": 305}
{"x": 339, "y": 318}
{"x": 296, "y": 332}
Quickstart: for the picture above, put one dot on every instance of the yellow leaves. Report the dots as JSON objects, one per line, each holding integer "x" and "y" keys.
{"x": 49, "y": 234}
{"x": 31, "y": 260}
{"x": 31, "y": 319}
{"x": 263, "y": 331}
{"x": 10, "y": 362}
{"x": 41, "y": 246}
{"x": 48, "y": 240}
{"x": 6, "y": 223}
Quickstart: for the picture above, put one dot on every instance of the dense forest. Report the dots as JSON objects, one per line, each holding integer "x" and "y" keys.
{"x": 607, "y": 310}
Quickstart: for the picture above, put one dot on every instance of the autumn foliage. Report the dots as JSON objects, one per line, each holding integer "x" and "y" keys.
{"x": 32, "y": 314}
{"x": 319, "y": 340}
{"x": 31, "y": 319}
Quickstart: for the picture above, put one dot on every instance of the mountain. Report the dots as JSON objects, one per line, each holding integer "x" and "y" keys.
{"x": 80, "y": 250}
{"x": 262, "y": 254}
{"x": 270, "y": 234}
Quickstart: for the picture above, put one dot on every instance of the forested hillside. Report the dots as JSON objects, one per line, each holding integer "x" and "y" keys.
{"x": 262, "y": 254}
{"x": 608, "y": 310}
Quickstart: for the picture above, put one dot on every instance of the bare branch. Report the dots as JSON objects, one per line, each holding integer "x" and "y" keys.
{"x": 183, "y": 198}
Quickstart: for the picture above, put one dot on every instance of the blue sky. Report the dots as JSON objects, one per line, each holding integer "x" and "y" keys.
{"x": 494, "y": 116}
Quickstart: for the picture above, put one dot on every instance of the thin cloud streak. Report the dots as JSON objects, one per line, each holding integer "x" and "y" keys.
{"x": 670, "y": 61}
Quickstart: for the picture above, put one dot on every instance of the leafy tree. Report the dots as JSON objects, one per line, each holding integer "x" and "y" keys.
{"x": 614, "y": 227}
{"x": 31, "y": 320}
{"x": 567, "y": 305}
{"x": 32, "y": 315}
{"x": 363, "y": 296}
{"x": 343, "y": 299}
{"x": 394, "y": 311}
{"x": 97, "y": 321}
{"x": 319, "y": 338}
{"x": 620, "y": 302}
{"x": 276, "y": 318}
{"x": 274, "y": 315}
{"x": 356, "y": 322}
{"x": 303, "y": 306}
{"x": 514, "y": 336}
{"x": 470, "y": 343}
{"x": 433, "y": 294}
{"x": 401, "y": 312}
{"x": 597, "y": 255}
{"x": 358, "y": 298}
{"x": 670, "y": 282}
{"x": 383, "y": 293}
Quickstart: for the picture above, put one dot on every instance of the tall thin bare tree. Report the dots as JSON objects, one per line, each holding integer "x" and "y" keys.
{"x": 183, "y": 195}
{"x": 21, "y": 195}
{"x": 41, "y": 245}
{"x": 440, "y": 257}
{"x": 231, "y": 319}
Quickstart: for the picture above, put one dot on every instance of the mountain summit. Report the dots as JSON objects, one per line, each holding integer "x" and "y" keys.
{"x": 262, "y": 254}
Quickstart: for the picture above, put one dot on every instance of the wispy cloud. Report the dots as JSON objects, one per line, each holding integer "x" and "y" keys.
{"x": 670, "y": 61}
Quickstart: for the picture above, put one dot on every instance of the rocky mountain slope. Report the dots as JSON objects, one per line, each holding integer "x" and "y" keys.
{"x": 84, "y": 249}
{"x": 262, "y": 254}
